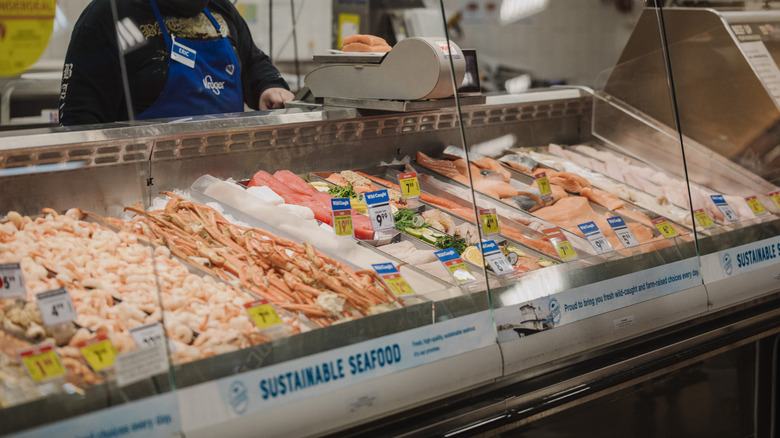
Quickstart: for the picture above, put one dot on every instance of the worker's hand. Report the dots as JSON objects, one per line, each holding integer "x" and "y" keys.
{"x": 274, "y": 98}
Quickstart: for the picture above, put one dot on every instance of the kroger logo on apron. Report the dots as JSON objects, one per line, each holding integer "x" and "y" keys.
{"x": 209, "y": 84}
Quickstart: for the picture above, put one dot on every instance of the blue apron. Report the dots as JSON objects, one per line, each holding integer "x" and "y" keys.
{"x": 204, "y": 77}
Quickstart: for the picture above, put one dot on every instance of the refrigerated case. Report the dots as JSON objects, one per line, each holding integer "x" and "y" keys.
{"x": 500, "y": 354}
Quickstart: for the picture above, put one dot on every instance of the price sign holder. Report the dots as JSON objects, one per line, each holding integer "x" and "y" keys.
{"x": 544, "y": 185}
{"x": 42, "y": 362}
{"x": 756, "y": 206}
{"x": 393, "y": 279}
{"x": 148, "y": 335}
{"x": 379, "y": 210}
{"x": 620, "y": 228}
{"x": 458, "y": 270}
{"x": 665, "y": 227}
{"x": 703, "y": 218}
{"x": 410, "y": 186}
{"x": 724, "y": 208}
{"x": 489, "y": 221}
{"x": 561, "y": 244}
{"x": 56, "y": 307}
{"x": 775, "y": 197}
{"x": 263, "y": 314}
{"x": 595, "y": 237}
{"x": 341, "y": 211}
{"x": 99, "y": 352}
{"x": 496, "y": 259}
{"x": 11, "y": 281}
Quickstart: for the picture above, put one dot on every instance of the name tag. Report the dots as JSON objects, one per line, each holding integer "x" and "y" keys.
{"x": 183, "y": 54}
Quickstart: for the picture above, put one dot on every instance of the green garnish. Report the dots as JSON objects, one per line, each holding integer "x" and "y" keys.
{"x": 458, "y": 243}
{"x": 342, "y": 192}
{"x": 404, "y": 218}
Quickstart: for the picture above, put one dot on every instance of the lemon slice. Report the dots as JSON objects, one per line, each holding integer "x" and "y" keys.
{"x": 473, "y": 254}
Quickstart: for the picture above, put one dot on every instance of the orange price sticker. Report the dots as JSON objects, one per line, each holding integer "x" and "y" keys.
{"x": 703, "y": 218}
{"x": 263, "y": 314}
{"x": 775, "y": 197}
{"x": 755, "y": 205}
{"x": 99, "y": 352}
{"x": 42, "y": 362}
{"x": 410, "y": 186}
{"x": 665, "y": 227}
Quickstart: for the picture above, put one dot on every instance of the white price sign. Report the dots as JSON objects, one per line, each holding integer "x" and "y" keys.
{"x": 496, "y": 259}
{"x": 56, "y": 307}
{"x": 621, "y": 229}
{"x": 595, "y": 237}
{"x": 724, "y": 208}
{"x": 379, "y": 210}
{"x": 148, "y": 335}
{"x": 11, "y": 281}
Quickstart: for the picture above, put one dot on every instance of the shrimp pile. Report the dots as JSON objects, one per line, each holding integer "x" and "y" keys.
{"x": 116, "y": 283}
{"x": 295, "y": 277}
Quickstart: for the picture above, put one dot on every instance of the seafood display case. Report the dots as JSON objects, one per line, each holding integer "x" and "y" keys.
{"x": 461, "y": 269}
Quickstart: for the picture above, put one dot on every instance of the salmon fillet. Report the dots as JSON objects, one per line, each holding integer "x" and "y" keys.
{"x": 635, "y": 215}
{"x": 494, "y": 188}
{"x": 603, "y": 198}
{"x": 494, "y": 165}
{"x": 444, "y": 167}
{"x": 571, "y": 182}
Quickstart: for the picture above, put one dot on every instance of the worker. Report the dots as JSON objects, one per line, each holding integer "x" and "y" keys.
{"x": 182, "y": 57}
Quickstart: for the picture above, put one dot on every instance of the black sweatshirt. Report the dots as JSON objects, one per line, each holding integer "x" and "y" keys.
{"x": 92, "y": 90}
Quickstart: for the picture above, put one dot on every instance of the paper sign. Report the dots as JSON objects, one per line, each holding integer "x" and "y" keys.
{"x": 496, "y": 259}
{"x": 756, "y": 206}
{"x": 11, "y": 281}
{"x": 42, "y": 362}
{"x": 99, "y": 352}
{"x": 595, "y": 237}
{"x": 393, "y": 279}
{"x": 703, "y": 218}
{"x": 775, "y": 197}
{"x": 263, "y": 314}
{"x": 410, "y": 186}
{"x": 724, "y": 208}
{"x": 561, "y": 243}
{"x": 56, "y": 307}
{"x": 148, "y": 335}
{"x": 489, "y": 221}
{"x": 620, "y": 228}
{"x": 341, "y": 211}
{"x": 458, "y": 270}
{"x": 379, "y": 210}
{"x": 664, "y": 227}
{"x": 544, "y": 185}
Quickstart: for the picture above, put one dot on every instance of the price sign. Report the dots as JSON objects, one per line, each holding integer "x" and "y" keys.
{"x": 724, "y": 208}
{"x": 99, "y": 352}
{"x": 703, "y": 218}
{"x": 561, "y": 243}
{"x": 775, "y": 197}
{"x": 489, "y": 221}
{"x": 379, "y": 210}
{"x": 458, "y": 270}
{"x": 665, "y": 227}
{"x": 11, "y": 281}
{"x": 263, "y": 314}
{"x": 544, "y": 185}
{"x": 42, "y": 362}
{"x": 620, "y": 228}
{"x": 595, "y": 237}
{"x": 756, "y": 206}
{"x": 496, "y": 259}
{"x": 148, "y": 335}
{"x": 56, "y": 307}
{"x": 393, "y": 279}
{"x": 341, "y": 210}
{"x": 410, "y": 186}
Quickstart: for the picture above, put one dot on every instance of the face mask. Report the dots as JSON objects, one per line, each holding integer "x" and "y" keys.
{"x": 185, "y": 8}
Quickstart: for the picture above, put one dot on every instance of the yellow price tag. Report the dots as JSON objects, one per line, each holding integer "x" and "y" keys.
{"x": 410, "y": 186}
{"x": 342, "y": 223}
{"x": 42, "y": 363}
{"x": 398, "y": 286}
{"x": 489, "y": 221}
{"x": 25, "y": 29}
{"x": 755, "y": 205}
{"x": 703, "y": 218}
{"x": 775, "y": 197}
{"x": 263, "y": 314}
{"x": 98, "y": 352}
{"x": 665, "y": 227}
{"x": 565, "y": 250}
{"x": 544, "y": 185}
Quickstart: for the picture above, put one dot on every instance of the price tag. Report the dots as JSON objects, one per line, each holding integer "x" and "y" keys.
{"x": 458, "y": 270}
{"x": 703, "y": 218}
{"x": 99, "y": 352}
{"x": 11, "y": 281}
{"x": 496, "y": 259}
{"x": 775, "y": 197}
{"x": 756, "y": 206}
{"x": 664, "y": 227}
{"x": 410, "y": 186}
{"x": 724, "y": 208}
{"x": 263, "y": 314}
{"x": 489, "y": 221}
{"x": 42, "y": 362}
{"x": 379, "y": 210}
{"x": 620, "y": 228}
{"x": 148, "y": 335}
{"x": 544, "y": 185}
{"x": 393, "y": 279}
{"x": 561, "y": 243}
{"x": 342, "y": 217}
{"x": 56, "y": 307}
{"x": 595, "y": 237}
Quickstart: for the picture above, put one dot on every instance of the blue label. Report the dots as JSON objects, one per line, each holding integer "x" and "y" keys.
{"x": 616, "y": 222}
{"x": 718, "y": 199}
{"x": 183, "y": 54}
{"x": 378, "y": 197}
{"x": 446, "y": 255}
{"x": 590, "y": 227}
{"x": 489, "y": 247}
{"x": 384, "y": 268}
{"x": 340, "y": 204}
